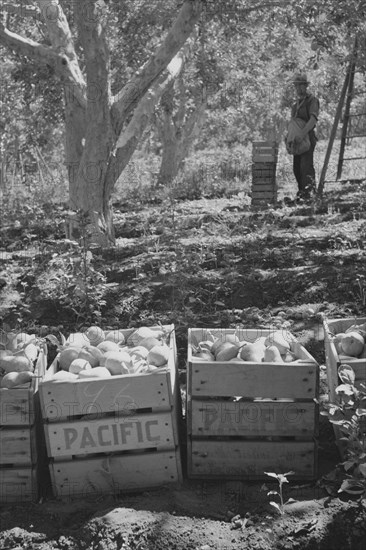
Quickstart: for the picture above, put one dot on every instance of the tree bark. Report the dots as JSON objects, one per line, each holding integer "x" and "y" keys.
{"x": 177, "y": 132}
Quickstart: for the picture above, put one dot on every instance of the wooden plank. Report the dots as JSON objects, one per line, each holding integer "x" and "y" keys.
{"x": 253, "y": 418}
{"x": 18, "y": 485}
{"x": 118, "y": 394}
{"x": 17, "y": 446}
{"x": 264, "y": 166}
{"x": 261, "y": 189}
{"x": 16, "y": 407}
{"x": 113, "y": 474}
{"x": 262, "y": 157}
{"x": 110, "y": 434}
{"x": 250, "y": 459}
{"x": 251, "y": 380}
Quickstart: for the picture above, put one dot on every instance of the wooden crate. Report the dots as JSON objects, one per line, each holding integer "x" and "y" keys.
{"x": 264, "y": 160}
{"x": 110, "y": 435}
{"x": 334, "y": 361}
{"x": 20, "y": 446}
{"x": 246, "y": 418}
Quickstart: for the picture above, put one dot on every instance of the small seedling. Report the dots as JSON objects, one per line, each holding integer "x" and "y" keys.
{"x": 281, "y": 478}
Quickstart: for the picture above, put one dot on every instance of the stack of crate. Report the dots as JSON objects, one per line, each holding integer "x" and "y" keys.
{"x": 246, "y": 418}
{"x": 334, "y": 360}
{"x": 112, "y": 435}
{"x": 264, "y": 161}
{"x": 20, "y": 447}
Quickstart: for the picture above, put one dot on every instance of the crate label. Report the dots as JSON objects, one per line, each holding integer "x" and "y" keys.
{"x": 252, "y": 418}
{"x": 110, "y": 434}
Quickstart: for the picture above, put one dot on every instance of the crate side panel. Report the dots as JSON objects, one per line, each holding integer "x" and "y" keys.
{"x": 113, "y": 474}
{"x": 111, "y": 434}
{"x": 17, "y": 446}
{"x": 250, "y": 459}
{"x": 18, "y": 485}
{"x": 16, "y": 407}
{"x": 111, "y": 395}
{"x": 251, "y": 380}
{"x": 243, "y": 418}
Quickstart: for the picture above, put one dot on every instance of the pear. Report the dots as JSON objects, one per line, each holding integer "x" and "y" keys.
{"x": 337, "y": 341}
{"x": 135, "y": 339}
{"x": 14, "y": 379}
{"x": 272, "y": 355}
{"x": 95, "y": 335}
{"x": 203, "y": 355}
{"x": 281, "y": 339}
{"x": 108, "y": 345}
{"x": 16, "y": 363}
{"x": 91, "y": 354}
{"x": 63, "y": 375}
{"x": 118, "y": 362}
{"x": 352, "y": 343}
{"x": 149, "y": 342}
{"x": 67, "y": 355}
{"x": 206, "y": 344}
{"x": 97, "y": 372}
{"x": 78, "y": 365}
{"x": 115, "y": 336}
{"x": 158, "y": 355}
{"x": 253, "y": 352}
{"x": 226, "y": 351}
{"x": 227, "y": 338}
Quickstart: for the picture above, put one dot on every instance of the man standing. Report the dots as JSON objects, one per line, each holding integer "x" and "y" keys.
{"x": 306, "y": 108}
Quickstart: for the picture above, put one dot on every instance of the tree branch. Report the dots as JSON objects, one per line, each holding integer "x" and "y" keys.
{"x": 146, "y": 106}
{"x": 62, "y": 41}
{"x": 135, "y": 89}
{"x": 44, "y": 54}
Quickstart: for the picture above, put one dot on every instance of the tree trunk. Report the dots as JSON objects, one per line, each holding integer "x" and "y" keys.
{"x": 97, "y": 120}
{"x": 177, "y": 132}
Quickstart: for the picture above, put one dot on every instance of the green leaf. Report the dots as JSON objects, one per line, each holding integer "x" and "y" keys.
{"x": 352, "y": 487}
{"x": 277, "y": 506}
{"x": 346, "y": 374}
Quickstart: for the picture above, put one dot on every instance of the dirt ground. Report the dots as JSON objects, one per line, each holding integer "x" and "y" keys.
{"x": 246, "y": 267}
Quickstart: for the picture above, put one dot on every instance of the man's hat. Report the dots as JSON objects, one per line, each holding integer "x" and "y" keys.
{"x": 300, "y": 78}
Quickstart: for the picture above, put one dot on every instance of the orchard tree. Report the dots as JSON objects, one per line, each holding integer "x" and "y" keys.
{"x": 102, "y": 128}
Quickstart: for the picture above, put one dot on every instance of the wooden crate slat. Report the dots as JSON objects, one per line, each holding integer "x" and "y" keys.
{"x": 253, "y": 418}
{"x": 17, "y": 446}
{"x": 264, "y": 166}
{"x": 114, "y": 474}
{"x": 250, "y": 459}
{"x": 16, "y": 407}
{"x": 63, "y": 399}
{"x": 110, "y": 434}
{"x": 263, "y": 191}
{"x": 266, "y": 380}
{"x": 18, "y": 484}
{"x": 263, "y": 157}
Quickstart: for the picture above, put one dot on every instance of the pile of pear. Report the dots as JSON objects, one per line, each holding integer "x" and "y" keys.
{"x": 95, "y": 353}
{"x": 272, "y": 348}
{"x": 351, "y": 343}
{"x": 18, "y": 355}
